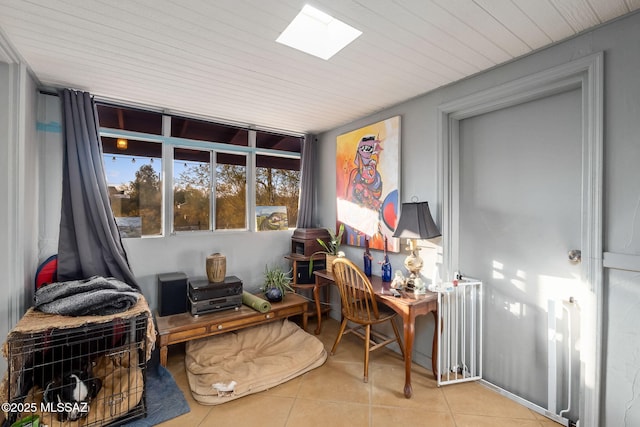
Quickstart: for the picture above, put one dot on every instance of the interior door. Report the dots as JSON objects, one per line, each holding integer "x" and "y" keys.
{"x": 519, "y": 216}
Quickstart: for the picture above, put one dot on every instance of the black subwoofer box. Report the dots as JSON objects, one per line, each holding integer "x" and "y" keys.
{"x": 172, "y": 293}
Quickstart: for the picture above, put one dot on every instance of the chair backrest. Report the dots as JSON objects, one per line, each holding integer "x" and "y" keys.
{"x": 356, "y": 292}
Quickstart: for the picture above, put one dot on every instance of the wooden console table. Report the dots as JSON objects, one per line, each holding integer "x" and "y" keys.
{"x": 409, "y": 306}
{"x": 183, "y": 327}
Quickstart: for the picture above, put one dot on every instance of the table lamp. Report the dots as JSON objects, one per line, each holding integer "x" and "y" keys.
{"x": 415, "y": 223}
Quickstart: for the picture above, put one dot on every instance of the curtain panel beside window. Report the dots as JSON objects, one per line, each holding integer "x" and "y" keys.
{"x": 89, "y": 242}
{"x": 307, "y": 184}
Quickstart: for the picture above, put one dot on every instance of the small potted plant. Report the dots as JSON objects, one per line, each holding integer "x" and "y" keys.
{"x": 276, "y": 283}
{"x": 331, "y": 248}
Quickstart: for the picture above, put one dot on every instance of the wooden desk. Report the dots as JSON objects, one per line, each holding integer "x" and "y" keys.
{"x": 183, "y": 327}
{"x": 409, "y": 306}
{"x": 322, "y": 280}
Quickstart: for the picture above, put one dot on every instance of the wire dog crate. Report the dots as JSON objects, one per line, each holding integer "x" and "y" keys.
{"x": 460, "y": 323}
{"x": 90, "y": 375}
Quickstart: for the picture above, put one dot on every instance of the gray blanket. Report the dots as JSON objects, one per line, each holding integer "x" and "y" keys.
{"x": 96, "y": 296}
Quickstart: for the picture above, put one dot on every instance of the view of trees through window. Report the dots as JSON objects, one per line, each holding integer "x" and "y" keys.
{"x": 231, "y": 191}
{"x": 134, "y": 171}
{"x": 278, "y": 187}
{"x": 135, "y": 187}
{"x": 191, "y": 190}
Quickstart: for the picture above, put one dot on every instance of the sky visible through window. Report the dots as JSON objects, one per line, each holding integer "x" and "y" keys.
{"x": 121, "y": 169}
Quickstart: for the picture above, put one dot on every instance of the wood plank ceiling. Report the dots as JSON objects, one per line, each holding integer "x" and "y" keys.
{"x": 219, "y": 59}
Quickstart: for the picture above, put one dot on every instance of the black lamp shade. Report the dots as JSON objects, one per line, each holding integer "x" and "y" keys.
{"x": 416, "y": 222}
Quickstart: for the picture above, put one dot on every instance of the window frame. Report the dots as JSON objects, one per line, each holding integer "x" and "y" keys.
{"x": 170, "y": 142}
{"x": 211, "y": 225}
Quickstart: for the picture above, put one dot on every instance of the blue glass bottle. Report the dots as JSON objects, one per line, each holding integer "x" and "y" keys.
{"x": 367, "y": 259}
{"x": 386, "y": 270}
{"x": 386, "y": 265}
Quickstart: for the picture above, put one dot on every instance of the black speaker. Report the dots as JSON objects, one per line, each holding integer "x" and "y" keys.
{"x": 303, "y": 270}
{"x": 172, "y": 293}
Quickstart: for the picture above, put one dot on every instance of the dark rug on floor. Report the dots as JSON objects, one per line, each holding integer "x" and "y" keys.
{"x": 165, "y": 400}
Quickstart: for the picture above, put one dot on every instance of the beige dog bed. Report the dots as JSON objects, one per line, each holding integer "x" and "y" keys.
{"x": 225, "y": 367}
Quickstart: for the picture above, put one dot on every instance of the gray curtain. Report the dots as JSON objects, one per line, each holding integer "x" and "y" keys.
{"x": 306, "y": 201}
{"x": 89, "y": 241}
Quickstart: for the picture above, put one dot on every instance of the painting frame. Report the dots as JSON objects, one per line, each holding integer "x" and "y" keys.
{"x": 368, "y": 184}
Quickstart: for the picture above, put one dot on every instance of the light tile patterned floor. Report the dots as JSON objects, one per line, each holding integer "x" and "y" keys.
{"x": 335, "y": 395}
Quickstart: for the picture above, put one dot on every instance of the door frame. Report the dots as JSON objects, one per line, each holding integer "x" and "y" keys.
{"x": 585, "y": 74}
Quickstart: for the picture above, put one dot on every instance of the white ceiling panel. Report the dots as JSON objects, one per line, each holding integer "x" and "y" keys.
{"x": 546, "y": 17}
{"x": 607, "y": 10}
{"x": 474, "y": 16}
{"x": 516, "y": 21}
{"x": 219, "y": 59}
{"x": 578, "y": 13}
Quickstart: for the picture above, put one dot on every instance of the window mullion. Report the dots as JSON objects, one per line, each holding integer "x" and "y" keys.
{"x": 251, "y": 183}
{"x": 167, "y": 179}
{"x": 212, "y": 191}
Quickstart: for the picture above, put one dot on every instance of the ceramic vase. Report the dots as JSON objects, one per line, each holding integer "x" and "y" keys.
{"x": 216, "y": 267}
{"x": 274, "y": 295}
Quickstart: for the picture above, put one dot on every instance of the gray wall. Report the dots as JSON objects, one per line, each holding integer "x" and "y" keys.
{"x": 247, "y": 255}
{"x": 18, "y": 193}
{"x": 5, "y": 180}
{"x": 619, "y": 41}
{"x": 30, "y": 162}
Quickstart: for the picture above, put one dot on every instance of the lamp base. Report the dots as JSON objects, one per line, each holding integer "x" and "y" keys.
{"x": 415, "y": 284}
{"x": 410, "y": 282}
{"x": 413, "y": 263}
{"x": 421, "y": 291}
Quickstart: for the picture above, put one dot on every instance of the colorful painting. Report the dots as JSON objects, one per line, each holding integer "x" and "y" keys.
{"x": 368, "y": 184}
{"x": 271, "y": 218}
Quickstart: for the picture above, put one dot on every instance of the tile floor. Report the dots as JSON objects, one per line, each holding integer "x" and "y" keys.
{"x": 335, "y": 395}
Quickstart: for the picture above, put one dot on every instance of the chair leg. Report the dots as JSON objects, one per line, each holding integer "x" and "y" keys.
{"x": 395, "y": 331}
{"x": 343, "y": 326}
{"x": 367, "y": 335}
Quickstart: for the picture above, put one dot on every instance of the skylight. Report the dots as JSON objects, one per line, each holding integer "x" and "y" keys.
{"x": 317, "y": 33}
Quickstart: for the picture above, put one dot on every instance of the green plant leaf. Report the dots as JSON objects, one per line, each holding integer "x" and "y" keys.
{"x": 276, "y": 277}
{"x": 332, "y": 247}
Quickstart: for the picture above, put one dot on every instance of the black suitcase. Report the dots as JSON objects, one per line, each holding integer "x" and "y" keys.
{"x": 201, "y": 289}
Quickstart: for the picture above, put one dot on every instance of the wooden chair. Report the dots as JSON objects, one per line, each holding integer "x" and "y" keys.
{"x": 359, "y": 306}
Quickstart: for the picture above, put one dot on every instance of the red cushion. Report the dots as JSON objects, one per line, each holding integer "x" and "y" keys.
{"x": 47, "y": 272}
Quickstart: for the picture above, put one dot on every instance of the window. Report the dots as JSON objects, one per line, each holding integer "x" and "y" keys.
{"x": 206, "y": 131}
{"x": 277, "y": 182}
{"x": 191, "y": 189}
{"x": 135, "y": 186}
{"x": 206, "y": 169}
{"x": 231, "y": 191}
{"x": 130, "y": 119}
{"x": 278, "y": 142}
